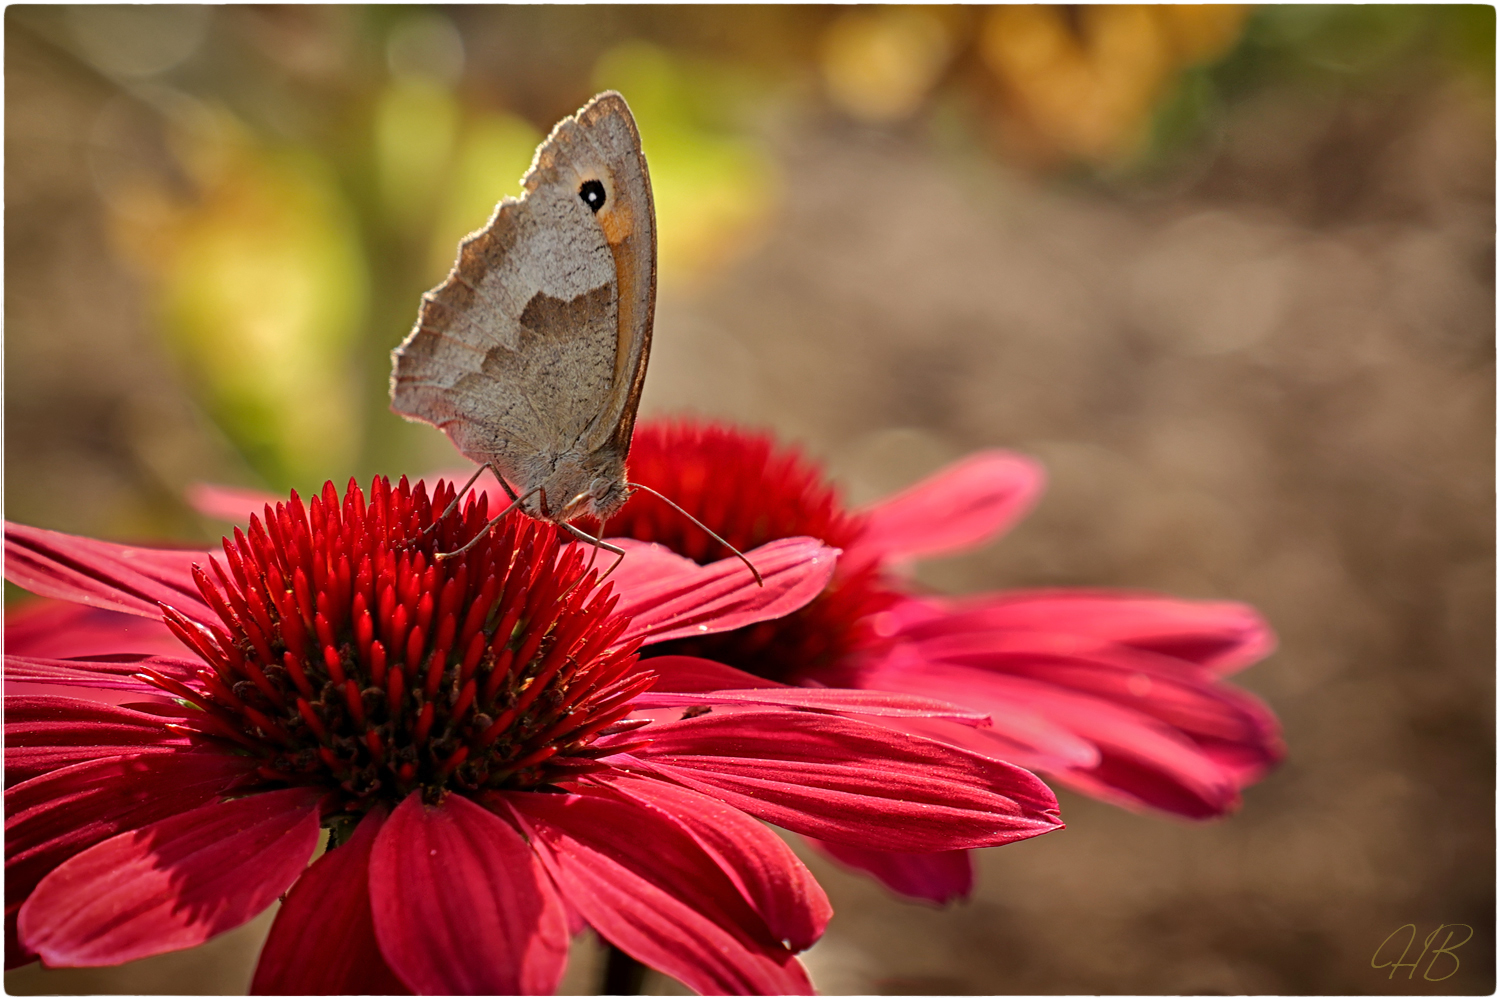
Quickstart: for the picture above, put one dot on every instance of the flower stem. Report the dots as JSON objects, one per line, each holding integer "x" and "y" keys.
{"x": 623, "y": 975}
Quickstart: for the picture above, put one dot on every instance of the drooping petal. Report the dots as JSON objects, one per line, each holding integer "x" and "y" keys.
{"x": 1169, "y": 733}
{"x": 877, "y": 703}
{"x": 47, "y": 732}
{"x": 1183, "y": 696}
{"x": 1244, "y": 763}
{"x": 323, "y": 941}
{"x": 1035, "y": 745}
{"x": 762, "y": 867}
{"x": 1143, "y": 760}
{"x": 172, "y": 884}
{"x": 693, "y": 673}
{"x": 954, "y": 509}
{"x": 939, "y": 877}
{"x": 1135, "y": 777}
{"x": 847, "y": 780}
{"x": 61, "y": 629}
{"x": 114, "y": 673}
{"x": 229, "y": 503}
{"x": 650, "y": 889}
{"x": 1224, "y": 636}
{"x": 16, "y": 953}
{"x": 1030, "y": 740}
{"x": 50, "y": 818}
{"x": 671, "y": 597}
{"x": 1017, "y": 733}
{"x": 461, "y": 904}
{"x": 126, "y": 578}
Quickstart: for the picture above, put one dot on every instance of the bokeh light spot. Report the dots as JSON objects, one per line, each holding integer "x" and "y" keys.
{"x": 138, "y": 40}
{"x": 880, "y": 66}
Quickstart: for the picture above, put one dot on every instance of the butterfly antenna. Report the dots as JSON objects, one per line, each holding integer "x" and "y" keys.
{"x": 738, "y": 554}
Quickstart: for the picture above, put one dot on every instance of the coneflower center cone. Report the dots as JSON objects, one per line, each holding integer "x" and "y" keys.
{"x": 348, "y": 656}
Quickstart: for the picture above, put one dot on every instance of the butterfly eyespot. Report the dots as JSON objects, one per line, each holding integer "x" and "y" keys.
{"x": 592, "y": 193}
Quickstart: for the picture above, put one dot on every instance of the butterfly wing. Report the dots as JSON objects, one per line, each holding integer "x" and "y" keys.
{"x": 529, "y": 351}
{"x": 628, "y": 219}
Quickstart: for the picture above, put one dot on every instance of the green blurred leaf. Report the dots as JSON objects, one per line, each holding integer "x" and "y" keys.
{"x": 416, "y": 122}
{"x": 261, "y": 290}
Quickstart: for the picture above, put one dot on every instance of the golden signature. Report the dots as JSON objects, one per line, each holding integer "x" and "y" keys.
{"x": 1444, "y": 953}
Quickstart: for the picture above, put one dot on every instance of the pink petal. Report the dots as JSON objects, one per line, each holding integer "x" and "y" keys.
{"x": 762, "y": 867}
{"x": 1245, "y": 764}
{"x": 173, "y": 884}
{"x": 1166, "y": 734}
{"x": 844, "y": 779}
{"x": 102, "y": 574}
{"x": 1141, "y": 760}
{"x": 1185, "y": 697}
{"x": 876, "y": 703}
{"x": 956, "y": 508}
{"x": 1224, "y": 636}
{"x": 461, "y": 905}
{"x": 1016, "y": 733}
{"x": 44, "y": 733}
{"x": 50, "y": 818}
{"x": 115, "y": 674}
{"x": 323, "y": 941}
{"x": 16, "y": 953}
{"x": 940, "y": 877}
{"x": 1020, "y": 737}
{"x": 229, "y": 503}
{"x": 693, "y": 673}
{"x": 649, "y": 889}
{"x": 63, "y": 629}
{"x": 671, "y": 597}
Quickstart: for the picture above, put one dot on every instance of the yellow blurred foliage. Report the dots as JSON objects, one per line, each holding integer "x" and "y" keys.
{"x": 880, "y": 64}
{"x": 259, "y": 286}
{"x": 714, "y": 190}
{"x": 416, "y": 123}
{"x": 1085, "y": 79}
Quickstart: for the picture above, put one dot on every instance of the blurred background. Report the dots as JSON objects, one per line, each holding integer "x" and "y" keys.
{"x": 1228, "y": 271}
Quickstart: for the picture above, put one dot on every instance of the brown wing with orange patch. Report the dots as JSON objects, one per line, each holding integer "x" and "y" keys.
{"x": 536, "y": 345}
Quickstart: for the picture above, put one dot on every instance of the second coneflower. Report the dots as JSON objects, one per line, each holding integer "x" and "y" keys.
{"x": 1117, "y": 694}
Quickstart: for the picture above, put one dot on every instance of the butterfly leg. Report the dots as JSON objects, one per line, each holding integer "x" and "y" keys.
{"x": 485, "y": 530}
{"x": 503, "y": 484}
{"x": 594, "y": 553}
{"x": 597, "y": 543}
{"x": 460, "y": 495}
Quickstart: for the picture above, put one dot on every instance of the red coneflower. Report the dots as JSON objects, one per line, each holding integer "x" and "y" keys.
{"x": 492, "y": 766}
{"x": 1116, "y": 694}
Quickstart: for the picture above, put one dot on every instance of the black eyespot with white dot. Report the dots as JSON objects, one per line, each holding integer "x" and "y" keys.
{"x": 592, "y": 193}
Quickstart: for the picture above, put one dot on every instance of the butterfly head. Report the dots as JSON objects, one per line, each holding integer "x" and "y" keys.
{"x": 607, "y": 494}
{"x": 593, "y": 488}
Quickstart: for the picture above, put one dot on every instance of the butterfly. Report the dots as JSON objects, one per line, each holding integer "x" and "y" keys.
{"x": 531, "y": 356}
